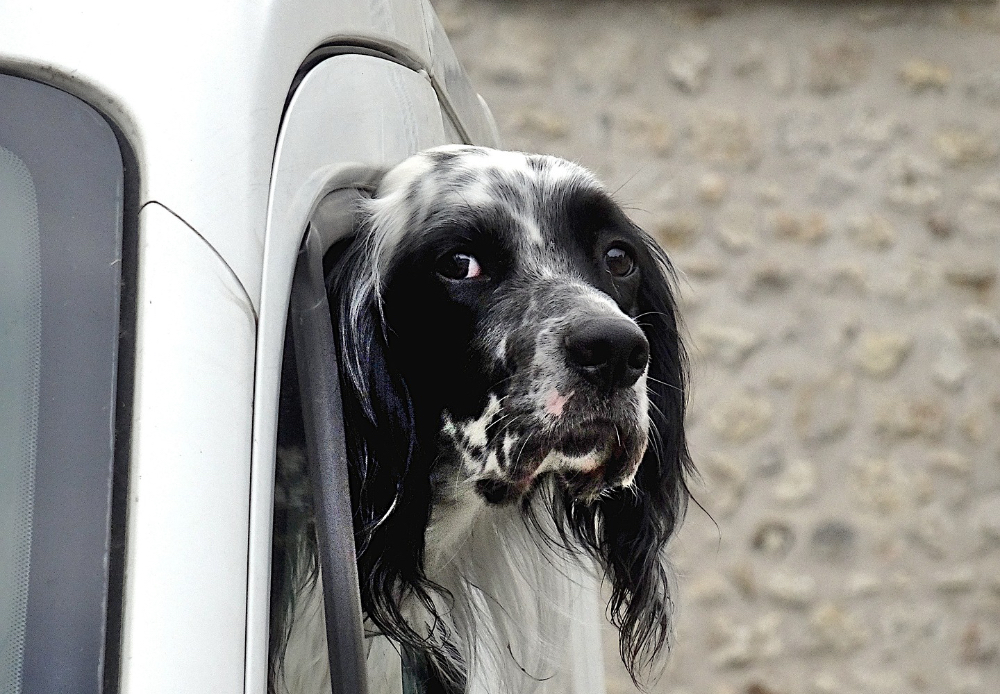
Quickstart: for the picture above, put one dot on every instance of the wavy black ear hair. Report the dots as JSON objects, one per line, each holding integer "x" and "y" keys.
{"x": 389, "y": 465}
{"x": 628, "y": 529}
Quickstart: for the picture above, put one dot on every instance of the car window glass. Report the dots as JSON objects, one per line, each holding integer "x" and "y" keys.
{"x": 20, "y": 347}
{"x": 61, "y": 216}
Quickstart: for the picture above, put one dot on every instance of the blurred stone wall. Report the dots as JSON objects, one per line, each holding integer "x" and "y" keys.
{"x": 825, "y": 175}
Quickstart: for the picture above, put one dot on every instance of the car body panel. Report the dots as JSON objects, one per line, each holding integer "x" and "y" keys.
{"x": 200, "y": 88}
{"x": 186, "y": 561}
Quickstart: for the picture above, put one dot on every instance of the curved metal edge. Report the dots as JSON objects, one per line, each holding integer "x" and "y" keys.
{"x": 345, "y": 176}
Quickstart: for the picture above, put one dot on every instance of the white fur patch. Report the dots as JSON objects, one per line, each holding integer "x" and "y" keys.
{"x": 475, "y": 429}
{"x": 527, "y": 613}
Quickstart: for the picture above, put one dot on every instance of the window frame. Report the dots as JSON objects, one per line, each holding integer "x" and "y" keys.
{"x": 318, "y": 386}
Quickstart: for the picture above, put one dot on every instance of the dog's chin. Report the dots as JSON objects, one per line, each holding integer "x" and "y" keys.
{"x": 585, "y": 462}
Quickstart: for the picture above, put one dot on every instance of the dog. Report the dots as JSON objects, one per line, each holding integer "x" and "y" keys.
{"x": 514, "y": 384}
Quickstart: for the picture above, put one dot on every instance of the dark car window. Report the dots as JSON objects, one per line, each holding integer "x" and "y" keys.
{"x": 61, "y": 214}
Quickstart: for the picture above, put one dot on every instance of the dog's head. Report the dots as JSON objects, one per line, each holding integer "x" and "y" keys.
{"x": 503, "y": 327}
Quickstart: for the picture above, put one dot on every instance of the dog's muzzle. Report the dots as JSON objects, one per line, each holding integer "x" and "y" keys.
{"x": 575, "y": 409}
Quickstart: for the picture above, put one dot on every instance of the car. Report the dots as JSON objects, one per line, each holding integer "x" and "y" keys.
{"x": 160, "y": 164}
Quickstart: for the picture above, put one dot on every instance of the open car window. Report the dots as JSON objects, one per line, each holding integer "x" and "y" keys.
{"x": 311, "y": 423}
{"x": 312, "y": 488}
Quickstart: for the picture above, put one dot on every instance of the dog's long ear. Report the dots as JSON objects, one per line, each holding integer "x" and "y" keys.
{"x": 635, "y": 524}
{"x": 390, "y": 499}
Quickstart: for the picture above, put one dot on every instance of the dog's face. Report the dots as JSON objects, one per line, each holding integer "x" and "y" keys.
{"x": 511, "y": 292}
{"x": 501, "y": 323}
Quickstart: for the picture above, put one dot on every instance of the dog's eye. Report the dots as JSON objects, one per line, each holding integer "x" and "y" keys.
{"x": 459, "y": 266}
{"x": 619, "y": 261}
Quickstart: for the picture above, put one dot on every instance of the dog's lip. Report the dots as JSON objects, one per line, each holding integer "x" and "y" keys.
{"x": 585, "y": 437}
{"x": 597, "y": 436}
{"x": 601, "y": 436}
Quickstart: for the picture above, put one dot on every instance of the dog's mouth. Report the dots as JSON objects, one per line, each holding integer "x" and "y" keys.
{"x": 584, "y": 460}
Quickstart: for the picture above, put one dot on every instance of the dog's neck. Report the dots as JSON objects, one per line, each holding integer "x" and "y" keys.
{"x": 456, "y": 513}
{"x": 522, "y": 610}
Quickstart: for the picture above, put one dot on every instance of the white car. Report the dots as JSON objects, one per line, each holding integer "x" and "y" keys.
{"x": 159, "y": 166}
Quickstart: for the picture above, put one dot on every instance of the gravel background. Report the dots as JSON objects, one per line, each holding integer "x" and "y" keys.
{"x": 825, "y": 174}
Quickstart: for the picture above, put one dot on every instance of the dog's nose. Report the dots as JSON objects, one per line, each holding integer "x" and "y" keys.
{"x": 609, "y": 352}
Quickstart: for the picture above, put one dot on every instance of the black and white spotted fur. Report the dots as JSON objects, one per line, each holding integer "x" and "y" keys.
{"x": 514, "y": 396}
